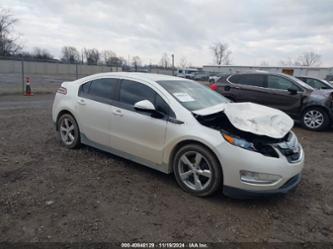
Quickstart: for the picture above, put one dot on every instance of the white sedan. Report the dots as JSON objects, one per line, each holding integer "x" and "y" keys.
{"x": 179, "y": 126}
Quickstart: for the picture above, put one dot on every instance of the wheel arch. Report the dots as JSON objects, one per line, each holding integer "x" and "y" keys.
{"x": 62, "y": 112}
{"x": 192, "y": 141}
{"x": 326, "y": 113}
{"x": 324, "y": 108}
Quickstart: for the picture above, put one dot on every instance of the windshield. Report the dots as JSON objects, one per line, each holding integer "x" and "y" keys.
{"x": 328, "y": 83}
{"x": 318, "y": 84}
{"x": 192, "y": 95}
{"x": 303, "y": 84}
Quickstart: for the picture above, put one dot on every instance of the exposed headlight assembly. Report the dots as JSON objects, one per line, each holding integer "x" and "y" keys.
{"x": 239, "y": 142}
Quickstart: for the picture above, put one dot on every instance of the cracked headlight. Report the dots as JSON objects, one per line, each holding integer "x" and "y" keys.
{"x": 239, "y": 142}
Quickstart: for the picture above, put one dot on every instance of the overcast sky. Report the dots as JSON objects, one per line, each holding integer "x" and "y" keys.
{"x": 256, "y": 30}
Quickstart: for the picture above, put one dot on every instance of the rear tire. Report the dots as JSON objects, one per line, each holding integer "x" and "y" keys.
{"x": 69, "y": 132}
{"x": 315, "y": 119}
{"x": 197, "y": 170}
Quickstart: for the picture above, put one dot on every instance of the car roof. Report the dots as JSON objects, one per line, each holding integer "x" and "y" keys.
{"x": 135, "y": 76}
{"x": 308, "y": 77}
{"x": 258, "y": 72}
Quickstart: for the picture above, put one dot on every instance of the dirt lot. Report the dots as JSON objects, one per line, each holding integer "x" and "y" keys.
{"x": 49, "y": 193}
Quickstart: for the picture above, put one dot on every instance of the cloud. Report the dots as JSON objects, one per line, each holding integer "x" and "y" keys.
{"x": 255, "y": 30}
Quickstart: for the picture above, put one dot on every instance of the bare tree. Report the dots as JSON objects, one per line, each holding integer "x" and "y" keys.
{"x": 42, "y": 54}
{"x": 92, "y": 56}
{"x": 111, "y": 59}
{"x": 108, "y": 56}
{"x": 8, "y": 45}
{"x": 136, "y": 62}
{"x": 309, "y": 59}
{"x": 165, "y": 61}
{"x": 221, "y": 53}
{"x": 289, "y": 62}
{"x": 183, "y": 63}
{"x": 126, "y": 64}
{"x": 70, "y": 55}
{"x": 264, "y": 64}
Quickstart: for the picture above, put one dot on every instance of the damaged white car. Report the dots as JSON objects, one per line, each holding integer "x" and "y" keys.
{"x": 180, "y": 126}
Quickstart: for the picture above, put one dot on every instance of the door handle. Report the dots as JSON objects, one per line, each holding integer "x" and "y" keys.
{"x": 118, "y": 113}
{"x": 81, "y": 101}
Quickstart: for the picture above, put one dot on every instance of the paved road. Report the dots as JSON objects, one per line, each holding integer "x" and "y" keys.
{"x": 12, "y": 102}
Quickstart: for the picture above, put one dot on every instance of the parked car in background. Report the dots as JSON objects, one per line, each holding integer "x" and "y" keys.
{"x": 316, "y": 83}
{"x": 313, "y": 107}
{"x": 177, "y": 125}
{"x": 187, "y": 73}
{"x": 201, "y": 76}
{"x": 215, "y": 77}
{"x": 329, "y": 78}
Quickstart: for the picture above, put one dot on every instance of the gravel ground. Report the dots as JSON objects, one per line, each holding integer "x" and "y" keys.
{"x": 49, "y": 193}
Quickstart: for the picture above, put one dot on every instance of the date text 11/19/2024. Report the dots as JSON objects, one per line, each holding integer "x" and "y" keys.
{"x": 164, "y": 245}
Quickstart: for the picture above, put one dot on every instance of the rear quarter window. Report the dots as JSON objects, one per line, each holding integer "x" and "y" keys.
{"x": 98, "y": 89}
{"x": 84, "y": 89}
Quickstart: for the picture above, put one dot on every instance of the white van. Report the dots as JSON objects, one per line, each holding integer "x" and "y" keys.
{"x": 187, "y": 73}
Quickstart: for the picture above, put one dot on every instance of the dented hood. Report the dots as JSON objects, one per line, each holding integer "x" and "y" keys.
{"x": 253, "y": 118}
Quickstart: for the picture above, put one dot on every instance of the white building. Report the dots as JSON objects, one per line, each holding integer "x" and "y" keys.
{"x": 319, "y": 72}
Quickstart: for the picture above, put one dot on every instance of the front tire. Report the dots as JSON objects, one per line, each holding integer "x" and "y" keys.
{"x": 315, "y": 119}
{"x": 197, "y": 170}
{"x": 69, "y": 132}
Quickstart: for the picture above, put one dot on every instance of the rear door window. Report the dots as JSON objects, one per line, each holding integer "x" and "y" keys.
{"x": 237, "y": 79}
{"x": 102, "y": 88}
{"x": 249, "y": 79}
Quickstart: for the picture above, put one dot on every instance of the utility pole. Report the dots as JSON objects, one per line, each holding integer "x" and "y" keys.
{"x": 173, "y": 64}
{"x": 22, "y": 72}
{"x": 76, "y": 71}
{"x": 82, "y": 55}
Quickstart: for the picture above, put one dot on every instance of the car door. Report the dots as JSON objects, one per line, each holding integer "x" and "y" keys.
{"x": 139, "y": 133}
{"x": 94, "y": 109}
{"x": 246, "y": 87}
{"x": 283, "y": 94}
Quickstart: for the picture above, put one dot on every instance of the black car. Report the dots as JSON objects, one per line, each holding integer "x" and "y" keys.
{"x": 314, "y": 108}
{"x": 316, "y": 83}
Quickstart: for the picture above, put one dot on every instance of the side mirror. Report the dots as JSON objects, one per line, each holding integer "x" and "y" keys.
{"x": 292, "y": 91}
{"x": 144, "y": 105}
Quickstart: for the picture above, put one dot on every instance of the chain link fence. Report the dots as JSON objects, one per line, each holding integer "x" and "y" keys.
{"x": 45, "y": 77}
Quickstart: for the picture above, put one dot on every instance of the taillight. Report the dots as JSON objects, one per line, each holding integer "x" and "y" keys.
{"x": 62, "y": 90}
{"x": 213, "y": 87}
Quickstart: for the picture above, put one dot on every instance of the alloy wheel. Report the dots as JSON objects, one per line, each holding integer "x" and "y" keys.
{"x": 67, "y": 131}
{"x": 194, "y": 170}
{"x": 313, "y": 119}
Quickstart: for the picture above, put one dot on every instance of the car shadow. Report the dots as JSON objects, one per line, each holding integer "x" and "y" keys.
{"x": 168, "y": 179}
